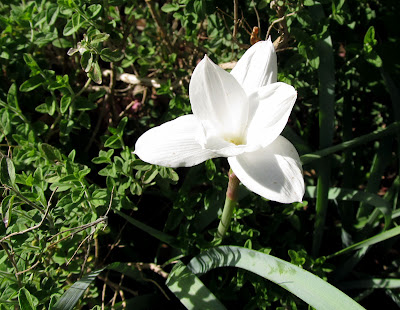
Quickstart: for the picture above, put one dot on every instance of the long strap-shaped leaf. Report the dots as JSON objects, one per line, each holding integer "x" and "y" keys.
{"x": 191, "y": 292}
{"x": 72, "y": 295}
{"x": 308, "y": 287}
{"x": 326, "y": 98}
{"x": 70, "y": 298}
{"x": 354, "y": 195}
{"x": 394, "y": 232}
{"x": 150, "y": 230}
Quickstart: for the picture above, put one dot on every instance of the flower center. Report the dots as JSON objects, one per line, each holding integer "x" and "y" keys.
{"x": 235, "y": 140}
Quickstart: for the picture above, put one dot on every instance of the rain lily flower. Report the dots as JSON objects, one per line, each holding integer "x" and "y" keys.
{"x": 238, "y": 115}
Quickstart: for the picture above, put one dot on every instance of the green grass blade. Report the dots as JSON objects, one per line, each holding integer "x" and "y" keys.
{"x": 354, "y": 195}
{"x": 326, "y": 97}
{"x": 391, "y": 199}
{"x": 393, "y": 294}
{"x": 370, "y": 241}
{"x": 346, "y": 210}
{"x": 308, "y": 287}
{"x": 150, "y": 230}
{"x": 348, "y": 266}
{"x": 298, "y": 142}
{"x": 321, "y": 206}
{"x": 392, "y": 194}
{"x": 371, "y": 283}
{"x": 396, "y": 214}
{"x": 71, "y": 296}
{"x": 375, "y": 135}
{"x": 380, "y": 162}
{"x": 190, "y": 290}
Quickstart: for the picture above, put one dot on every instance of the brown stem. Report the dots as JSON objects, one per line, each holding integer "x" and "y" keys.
{"x": 233, "y": 184}
{"x": 235, "y": 18}
{"x": 160, "y": 28}
{"x": 12, "y": 260}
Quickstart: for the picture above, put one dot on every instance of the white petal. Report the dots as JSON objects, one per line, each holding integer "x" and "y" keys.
{"x": 268, "y": 118}
{"x": 273, "y": 172}
{"x": 257, "y": 67}
{"x": 218, "y": 100}
{"x": 173, "y": 144}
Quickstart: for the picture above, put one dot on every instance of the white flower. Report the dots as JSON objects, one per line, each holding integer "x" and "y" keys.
{"x": 238, "y": 115}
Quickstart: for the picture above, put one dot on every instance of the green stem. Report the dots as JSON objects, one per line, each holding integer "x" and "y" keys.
{"x": 230, "y": 204}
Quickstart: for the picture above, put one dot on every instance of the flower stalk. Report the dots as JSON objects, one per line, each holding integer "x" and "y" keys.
{"x": 230, "y": 204}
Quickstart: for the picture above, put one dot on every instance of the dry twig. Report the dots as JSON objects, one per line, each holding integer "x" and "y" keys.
{"x": 235, "y": 18}
{"x": 160, "y": 27}
{"x": 33, "y": 227}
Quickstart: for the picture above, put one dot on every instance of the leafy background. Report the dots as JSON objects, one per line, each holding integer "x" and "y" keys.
{"x": 82, "y": 80}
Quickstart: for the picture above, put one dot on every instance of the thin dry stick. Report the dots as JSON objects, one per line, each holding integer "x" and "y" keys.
{"x": 33, "y": 227}
{"x": 115, "y": 244}
{"x": 122, "y": 114}
{"x": 91, "y": 233}
{"x": 85, "y": 259}
{"x": 111, "y": 199}
{"x": 282, "y": 41}
{"x": 114, "y": 298}
{"x": 153, "y": 267}
{"x": 111, "y": 95}
{"x": 160, "y": 28}
{"x": 246, "y": 26}
{"x": 118, "y": 239}
{"x": 121, "y": 293}
{"x": 156, "y": 284}
{"x": 122, "y": 91}
{"x": 83, "y": 241}
{"x": 83, "y": 88}
{"x": 228, "y": 65}
{"x": 235, "y": 18}
{"x": 78, "y": 229}
{"x": 96, "y": 251}
{"x": 30, "y": 203}
{"x": 83, "y": 227}
{"x": 9, "y": 153}
{"x": 277, "y": 21}
{"x": 115, "y": 286}
{"x": 103, "y": 292}
{"x": 99, "y": 120}
{"x": 12, "y": 260}
{"x": 30, "y": 268}
{"x": 258, "y": 16}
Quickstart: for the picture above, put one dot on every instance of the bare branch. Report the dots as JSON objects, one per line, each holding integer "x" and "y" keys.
{"x": 117, "y": 287}
{"x": 160, "y": 27}
{"x": 12, "y": 260}
{"x": 235, "y": 18}
{"x": 33, "y": 227}
{"x": 30, "y": 268}
{"x": 277, "y": 21}
{"x": 153, "y": 267}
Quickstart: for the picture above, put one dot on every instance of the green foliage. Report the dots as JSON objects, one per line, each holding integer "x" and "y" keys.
{"x": 315, "y": 291}
{"x": 82, "y": 80}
